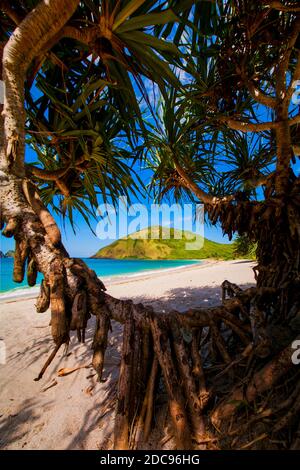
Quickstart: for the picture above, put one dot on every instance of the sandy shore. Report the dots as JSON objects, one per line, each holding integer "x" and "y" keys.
{"x": 75, "y": 412}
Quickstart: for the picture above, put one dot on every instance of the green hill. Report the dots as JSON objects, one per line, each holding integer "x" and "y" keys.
{"x": 140, "y": 246}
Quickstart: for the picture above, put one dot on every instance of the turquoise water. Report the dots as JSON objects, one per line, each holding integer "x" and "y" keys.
{"x": 102, "y": 267}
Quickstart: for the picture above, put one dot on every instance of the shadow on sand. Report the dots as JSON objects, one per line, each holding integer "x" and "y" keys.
{"x": 98, "y": 415}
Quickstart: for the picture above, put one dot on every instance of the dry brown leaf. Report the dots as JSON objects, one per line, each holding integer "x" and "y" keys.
{"x": 66, "y": 371}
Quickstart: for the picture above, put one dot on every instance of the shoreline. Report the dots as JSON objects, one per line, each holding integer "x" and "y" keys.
{"x": 76, "y": 412}
{"x": 27, "y": 293}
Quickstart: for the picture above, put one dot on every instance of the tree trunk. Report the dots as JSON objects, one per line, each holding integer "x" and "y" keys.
{"x": 274, "y": 225}
{"x": 278, "y": 231}
{"x": 74, "y": 292}
{"x": 36, "y": 234}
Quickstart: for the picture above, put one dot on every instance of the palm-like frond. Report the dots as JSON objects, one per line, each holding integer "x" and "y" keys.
{"x": 86, "y": 115}
{"x": 246, "y": 159}
{"x": 79, "y": 148}
{"x": 173, "y": 141}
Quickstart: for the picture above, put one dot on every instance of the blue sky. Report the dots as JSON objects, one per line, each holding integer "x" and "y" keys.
{"x": 84, "y": 243}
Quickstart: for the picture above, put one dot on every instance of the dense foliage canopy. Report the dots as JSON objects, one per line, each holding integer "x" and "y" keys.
{"x": 91, "y": 112}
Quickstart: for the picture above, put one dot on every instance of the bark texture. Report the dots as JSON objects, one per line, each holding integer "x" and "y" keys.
{"x": 197, "y": 356}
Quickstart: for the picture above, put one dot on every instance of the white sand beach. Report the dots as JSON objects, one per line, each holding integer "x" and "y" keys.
{"x": 74, "y": 411}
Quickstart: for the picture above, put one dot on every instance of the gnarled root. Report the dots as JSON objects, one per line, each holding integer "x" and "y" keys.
{"x": 43, "y": 300}
{"x": 170, "y": 344}
{"x": 124, "y": 398}
{"x": 100, "y": 341}
{"x": 20, "y": 256}
{"x": 167, "y": 346}
{"x": 80, "y": 315}
{"x": 189, "y": 385}
{"x": 231, "y": 365}
{"x": 176, "y": 400}
{"x": 34, "y": 200}
{"x": 262, "y": 381}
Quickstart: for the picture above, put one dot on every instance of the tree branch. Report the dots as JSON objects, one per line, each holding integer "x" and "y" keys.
{"x": 208, "y": 198}
{"x": 26, "y": 42}
{"x": 194, "y": 188}
{"x": 295, "y": 120}
{"x": 277, "y": 5}
{"x": 86, "y": 35}
{"x": 245, "y": 126}
{"x": 47, "y": 175}
{"x": 258, "y": 95}
{"x": 261, "y": 181}
{"x": 284, "y": 62}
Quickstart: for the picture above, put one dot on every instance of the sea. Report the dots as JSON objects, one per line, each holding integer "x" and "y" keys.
{"x": 104, "y": 268}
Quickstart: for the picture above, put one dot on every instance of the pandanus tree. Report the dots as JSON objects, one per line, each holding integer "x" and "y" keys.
{"x": 77, "y": 50}
{"x": 67, "y": 69}
{"x": 238, "y": 117}
{"x": 255, "y": 59}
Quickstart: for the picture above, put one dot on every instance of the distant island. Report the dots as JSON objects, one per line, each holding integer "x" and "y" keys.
{"x": 8, "y": 254}
{"x": 140, "y": 246}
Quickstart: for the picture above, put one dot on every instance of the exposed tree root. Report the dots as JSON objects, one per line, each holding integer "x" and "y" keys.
{"x": 144, "y": 421}
{"x": 177, "y": 410}
{"x": 262, "y": 381}
{"x": 209, "y": 361}
{"x": 48, "y": 362}
{"x": 124, "y": 397}
{"x": 149, "y": 395}
{"x": 100, "y": 341}
{"x": 172, "y": 342}
{"x": 20, "y": 256}
{"x": 43, "y": 300}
